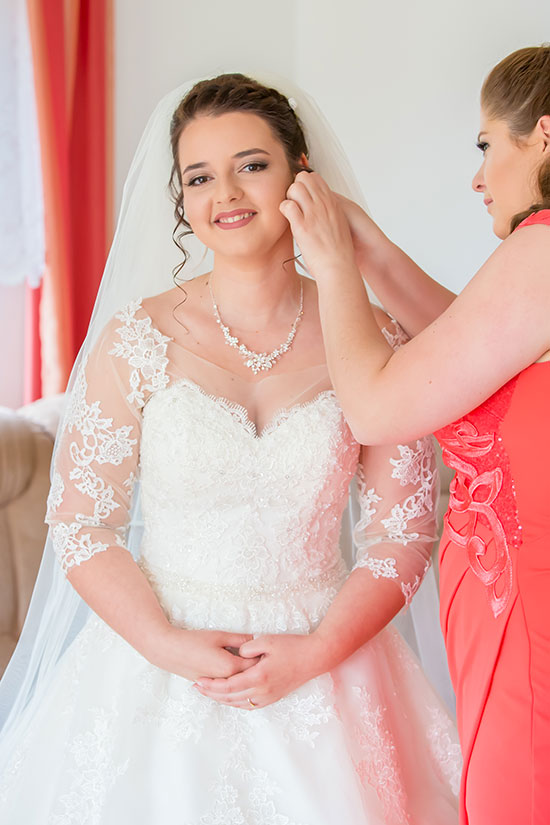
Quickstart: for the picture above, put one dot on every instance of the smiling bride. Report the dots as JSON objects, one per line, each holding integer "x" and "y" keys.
{"x": 233, "y": 669}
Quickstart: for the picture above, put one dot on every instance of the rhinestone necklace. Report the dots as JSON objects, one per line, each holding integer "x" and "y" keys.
{"x": 257, "y": 361}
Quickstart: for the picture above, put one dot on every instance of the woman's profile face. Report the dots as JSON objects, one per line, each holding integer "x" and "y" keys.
{"x": 507, "y": 177}
{"x": 234, "y": 175}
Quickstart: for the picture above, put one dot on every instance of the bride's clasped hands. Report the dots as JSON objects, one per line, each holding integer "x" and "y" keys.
{"x": 281, "y": 664}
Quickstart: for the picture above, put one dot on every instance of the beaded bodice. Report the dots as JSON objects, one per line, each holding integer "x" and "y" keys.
{"x": 241, "y": 519}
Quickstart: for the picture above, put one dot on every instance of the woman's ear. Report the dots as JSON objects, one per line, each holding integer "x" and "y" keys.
{"x": 304, "y": 162}
{"x": 544, "y": 126}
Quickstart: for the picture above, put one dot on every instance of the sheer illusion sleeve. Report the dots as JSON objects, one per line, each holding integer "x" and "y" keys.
{"x": 97, "y": 455}
{"x": 398, "y": 490}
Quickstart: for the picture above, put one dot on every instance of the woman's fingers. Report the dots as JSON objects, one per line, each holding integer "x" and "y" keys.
{"x": 292, "y": 212}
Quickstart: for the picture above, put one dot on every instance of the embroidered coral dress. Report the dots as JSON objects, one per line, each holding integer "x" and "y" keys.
{"x": 495, "y": 597}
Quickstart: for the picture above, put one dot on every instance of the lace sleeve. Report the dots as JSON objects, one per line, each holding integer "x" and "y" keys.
{"x": 97, "y": 456}
{"x": 398, "y": 490}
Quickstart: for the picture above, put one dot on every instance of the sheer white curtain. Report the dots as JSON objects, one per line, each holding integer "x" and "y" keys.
{"x": 21, "y": 201}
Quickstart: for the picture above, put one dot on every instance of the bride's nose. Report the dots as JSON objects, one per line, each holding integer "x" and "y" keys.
{"x": 227, "y": 189}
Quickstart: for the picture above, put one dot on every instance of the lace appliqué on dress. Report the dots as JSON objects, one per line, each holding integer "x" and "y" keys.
{"x": 380, "y": 767}
{"x": 98, "y": 444}
{"x": 144, "y": 347}
{"x": 445, "y": 750}
{"x": 183, "y": 714}
{"x": 415, "y": 466}
{"x": 94, "y": 774}
{"x": 483, "y": 488}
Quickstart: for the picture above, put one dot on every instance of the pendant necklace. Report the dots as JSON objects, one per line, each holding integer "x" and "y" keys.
{"x": 257, "y": 361}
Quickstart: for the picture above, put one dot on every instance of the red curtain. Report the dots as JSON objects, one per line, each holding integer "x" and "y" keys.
{"x": 72, "y": 58}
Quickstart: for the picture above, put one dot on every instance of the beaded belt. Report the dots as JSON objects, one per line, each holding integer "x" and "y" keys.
{"x": 161, "y": 577}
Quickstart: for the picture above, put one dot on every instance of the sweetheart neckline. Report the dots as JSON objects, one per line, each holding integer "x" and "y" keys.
{"x": 239, "y": 412}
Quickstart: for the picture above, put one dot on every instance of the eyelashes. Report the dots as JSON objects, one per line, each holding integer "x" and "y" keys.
{"x": 249, "y": 168}
{"x": 483, "y": 146}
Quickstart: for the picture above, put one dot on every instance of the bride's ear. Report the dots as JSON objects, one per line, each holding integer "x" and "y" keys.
{"x": 304, "y": 163}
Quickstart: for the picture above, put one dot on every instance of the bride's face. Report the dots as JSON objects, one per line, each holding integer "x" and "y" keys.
{"x": 235, "y": 174}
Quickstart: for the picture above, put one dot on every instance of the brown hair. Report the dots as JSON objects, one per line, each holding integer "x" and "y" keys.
{"x": 220, "y": 95}
{"x": 517, "y": 91}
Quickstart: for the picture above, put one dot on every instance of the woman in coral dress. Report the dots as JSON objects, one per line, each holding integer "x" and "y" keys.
{"x": 482, "y": 361}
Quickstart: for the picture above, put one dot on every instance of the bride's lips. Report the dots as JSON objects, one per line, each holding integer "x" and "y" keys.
{"x": 235, "y": 219}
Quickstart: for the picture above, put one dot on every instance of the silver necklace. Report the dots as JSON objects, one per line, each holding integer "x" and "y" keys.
{"x": 257, "y": 361}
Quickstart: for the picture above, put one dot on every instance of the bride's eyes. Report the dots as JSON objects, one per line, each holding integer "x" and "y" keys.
{"x": 483, "y": 146}
{"x": 251, "y": 166}
{"x": 254, "y": 166}
{"x": 198, "y": 180}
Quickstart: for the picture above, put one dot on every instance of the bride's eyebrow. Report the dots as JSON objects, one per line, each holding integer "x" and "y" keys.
{"x": 246, "y": 152}
{"x": 242, "y": 154}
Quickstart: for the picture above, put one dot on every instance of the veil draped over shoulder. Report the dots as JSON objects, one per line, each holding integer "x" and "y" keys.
{"x": 140, "y": 264}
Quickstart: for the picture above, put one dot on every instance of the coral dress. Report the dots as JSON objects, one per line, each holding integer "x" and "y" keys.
{"x": 495, "y": 597}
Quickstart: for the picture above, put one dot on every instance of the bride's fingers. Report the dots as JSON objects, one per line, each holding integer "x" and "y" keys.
{"x": 246, "y": 664}
{"x": 240, "y": 682}
{"x": 235, "y": 640}
{"x": 245, "y": 701}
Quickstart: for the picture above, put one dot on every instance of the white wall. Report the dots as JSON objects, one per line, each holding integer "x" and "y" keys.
{"x": 161, "y": 44}
{"x": 399, "y": 82}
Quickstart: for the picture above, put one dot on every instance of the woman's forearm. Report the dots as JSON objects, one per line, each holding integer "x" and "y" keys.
{"x": 362, "y": 608}
{"x": 405, "y": 290}
{"x": 356, "y": 352}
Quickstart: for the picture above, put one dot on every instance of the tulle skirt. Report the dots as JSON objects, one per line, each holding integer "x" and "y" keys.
{"x": 116, "y": 740}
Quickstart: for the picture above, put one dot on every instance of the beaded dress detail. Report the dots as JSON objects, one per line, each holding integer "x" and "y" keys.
{"x": 241, "y": 519}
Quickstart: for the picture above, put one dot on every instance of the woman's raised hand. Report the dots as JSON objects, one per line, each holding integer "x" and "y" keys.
{"x": 319, "y": 225}
{"x": 281, "y": 664}
{"x": 196, "y": 653}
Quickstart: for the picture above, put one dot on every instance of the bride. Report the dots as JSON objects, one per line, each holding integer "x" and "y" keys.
{"x": 231, "y": 670}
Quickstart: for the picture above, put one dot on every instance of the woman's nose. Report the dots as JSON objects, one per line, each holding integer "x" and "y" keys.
{"x": 478, "y": 182}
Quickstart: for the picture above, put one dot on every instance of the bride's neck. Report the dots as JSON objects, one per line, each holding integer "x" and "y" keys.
{"x": 257, "y": 291}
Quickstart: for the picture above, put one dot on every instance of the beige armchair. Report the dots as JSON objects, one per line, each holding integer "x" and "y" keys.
{"x": 26, "y": 442}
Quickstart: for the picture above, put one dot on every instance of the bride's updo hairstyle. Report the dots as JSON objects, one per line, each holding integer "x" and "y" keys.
{"x": 221, "y": 95}
{"x": 517, "y": 91}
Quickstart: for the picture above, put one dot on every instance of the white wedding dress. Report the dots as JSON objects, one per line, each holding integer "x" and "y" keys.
{"x": 241, "y": 533}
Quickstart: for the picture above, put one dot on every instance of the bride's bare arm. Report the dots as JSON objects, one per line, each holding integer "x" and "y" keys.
{"x": 405, "y": 290}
